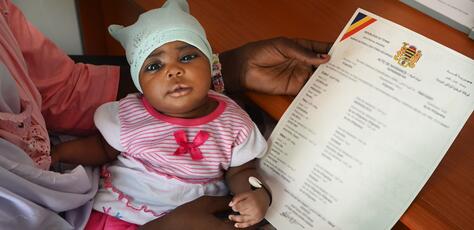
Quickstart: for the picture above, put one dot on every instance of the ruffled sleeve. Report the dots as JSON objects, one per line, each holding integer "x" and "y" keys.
{"x": 254, "y": 146}
{"x": 106, "y": 119}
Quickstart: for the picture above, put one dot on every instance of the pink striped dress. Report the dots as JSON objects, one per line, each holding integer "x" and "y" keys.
{"x": 167, "y": 161}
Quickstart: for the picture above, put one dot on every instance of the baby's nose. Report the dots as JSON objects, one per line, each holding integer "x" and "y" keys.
{"x": 175, "y": 72}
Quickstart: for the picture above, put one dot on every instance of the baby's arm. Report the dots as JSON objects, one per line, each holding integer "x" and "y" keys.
{"x": 251, "y": 204}
{"x": 92, "y": 150}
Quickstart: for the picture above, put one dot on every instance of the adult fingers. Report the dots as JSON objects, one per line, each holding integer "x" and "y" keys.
{"x": 308, "y": 52}
{"x": 315, "y": 46}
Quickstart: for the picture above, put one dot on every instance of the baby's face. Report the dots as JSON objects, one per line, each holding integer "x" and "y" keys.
{"x": 175, "y": 79}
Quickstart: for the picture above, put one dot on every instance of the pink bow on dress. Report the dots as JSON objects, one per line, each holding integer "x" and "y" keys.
{"x": 191, "y": 147}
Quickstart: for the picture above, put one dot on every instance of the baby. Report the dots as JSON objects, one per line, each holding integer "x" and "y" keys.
{"x": 176, "y": 140}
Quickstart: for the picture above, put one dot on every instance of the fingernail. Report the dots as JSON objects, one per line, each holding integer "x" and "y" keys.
{"x": 324, "y": 56}
{"x": 230, "y": 217}
{"x": 231, "y": 203}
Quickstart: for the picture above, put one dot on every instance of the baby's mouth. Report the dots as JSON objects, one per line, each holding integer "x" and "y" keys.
{"x": 179, "y": 90}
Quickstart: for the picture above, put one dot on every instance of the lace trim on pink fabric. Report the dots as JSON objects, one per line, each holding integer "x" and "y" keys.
{"x": 122, "y": 197}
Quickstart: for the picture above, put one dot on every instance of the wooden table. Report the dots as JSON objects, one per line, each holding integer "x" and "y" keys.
{"x": 446, "y": 201}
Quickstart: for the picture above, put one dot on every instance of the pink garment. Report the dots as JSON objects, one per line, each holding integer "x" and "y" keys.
{"x": 56, "y": 94}
{"x": 155, "y": 173}
{"x": 149, "y": 138}
{"x": 102, "y": 221}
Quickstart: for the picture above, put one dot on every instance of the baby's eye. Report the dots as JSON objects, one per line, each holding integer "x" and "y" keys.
{"x": 188, "y": 58}
{"x": 153, "y": 67}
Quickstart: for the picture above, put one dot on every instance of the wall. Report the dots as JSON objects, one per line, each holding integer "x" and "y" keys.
{"x": 57, "y": 19}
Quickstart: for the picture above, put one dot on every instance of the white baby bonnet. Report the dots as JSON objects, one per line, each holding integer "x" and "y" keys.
{"x": 171, "y": 22}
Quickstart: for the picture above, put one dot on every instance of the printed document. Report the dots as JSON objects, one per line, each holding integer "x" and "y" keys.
{"x": 368, "y": 129}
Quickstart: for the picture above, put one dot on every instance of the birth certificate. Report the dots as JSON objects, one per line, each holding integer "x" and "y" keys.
{"x": 368, "y": 129}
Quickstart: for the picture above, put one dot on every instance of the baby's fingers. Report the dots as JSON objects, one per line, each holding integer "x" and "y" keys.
{"x": 238, "y": 198}
{"x": 242, "y": 221}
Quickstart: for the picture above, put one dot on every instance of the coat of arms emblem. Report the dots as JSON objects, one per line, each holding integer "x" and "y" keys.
{"x": 407, "y": 56}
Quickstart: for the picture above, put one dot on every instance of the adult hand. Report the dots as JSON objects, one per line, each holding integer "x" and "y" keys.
{"x": 198, "y": 214}
{"x": 274, "y": 66}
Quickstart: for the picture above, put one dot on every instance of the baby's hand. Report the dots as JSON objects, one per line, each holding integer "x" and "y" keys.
{"x": 251, "y": 205}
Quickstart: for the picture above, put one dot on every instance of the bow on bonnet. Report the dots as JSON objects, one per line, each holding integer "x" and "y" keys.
{"x": 171, "y": 22}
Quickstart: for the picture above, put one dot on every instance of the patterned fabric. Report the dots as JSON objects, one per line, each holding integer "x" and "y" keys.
{"x": 30, "y": 136}
{"x": 217, "y": 79}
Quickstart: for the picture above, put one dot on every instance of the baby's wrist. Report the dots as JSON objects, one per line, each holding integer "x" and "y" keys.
{"x": 266, "y": 197}
{"x": 258, "y": 186}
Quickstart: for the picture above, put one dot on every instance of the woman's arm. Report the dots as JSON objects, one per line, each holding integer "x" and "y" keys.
{"x": 92, "y": 150}
{"x": 69, "y": 92}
